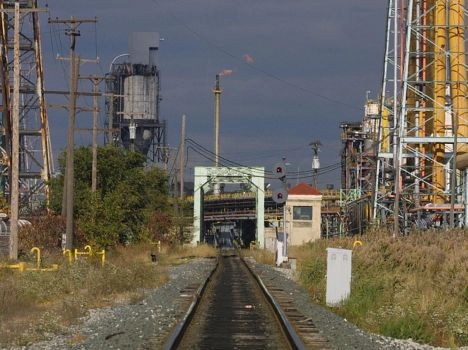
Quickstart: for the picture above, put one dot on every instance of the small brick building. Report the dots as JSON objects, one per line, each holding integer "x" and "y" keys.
{"x": 303, "y": 214}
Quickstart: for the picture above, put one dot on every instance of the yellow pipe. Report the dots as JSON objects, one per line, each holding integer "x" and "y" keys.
{"x": 440, "y": 67}
{"x": 103, "y": 256}
{"x": 357, "y": 243}
{"x": 385, "y": 130}
{"x": 38, "y": 256}
{"x": 458, "y": 68}
{"x": 70, "y": 257}
{"x": 54, "y": 267}
{"x": 88, "y": 249}
{"x": 20, "y": 266}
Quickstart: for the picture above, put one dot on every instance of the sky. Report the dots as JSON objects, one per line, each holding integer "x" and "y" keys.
{"x": 299, "y": 69}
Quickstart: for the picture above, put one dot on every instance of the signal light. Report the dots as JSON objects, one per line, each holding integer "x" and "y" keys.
{"x": 279, "y": 170}
{"x": 279, "y": 196}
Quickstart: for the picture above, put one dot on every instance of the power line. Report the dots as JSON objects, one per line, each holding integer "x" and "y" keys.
{"x": 254, "y": 67}
{"x": 209, "y": 155}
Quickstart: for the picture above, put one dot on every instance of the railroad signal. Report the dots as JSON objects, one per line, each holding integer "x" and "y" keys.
{"x": 280, "y": 195}
{"x": 279, "y": 170}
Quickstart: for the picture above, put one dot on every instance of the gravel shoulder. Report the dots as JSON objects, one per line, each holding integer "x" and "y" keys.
{"x": 147, "y": 324}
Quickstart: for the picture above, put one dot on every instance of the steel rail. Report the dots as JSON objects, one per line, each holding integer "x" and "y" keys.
{"x": 286, "y": 326}
{"x": 176, "y": 336}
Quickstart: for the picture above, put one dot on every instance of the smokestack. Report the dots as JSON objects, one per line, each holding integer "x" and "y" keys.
{"x": 217, "y": 95}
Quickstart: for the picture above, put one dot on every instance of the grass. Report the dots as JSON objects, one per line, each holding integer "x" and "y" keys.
{"x": 261, "y": 256}
{"x": 34, "y": 304}
{"x": 407, "y": 287}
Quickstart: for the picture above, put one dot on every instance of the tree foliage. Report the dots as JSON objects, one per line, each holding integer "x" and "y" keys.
{"x": 127, "y": 194}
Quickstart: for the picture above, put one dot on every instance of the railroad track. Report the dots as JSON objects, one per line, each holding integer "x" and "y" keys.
{"x": 234, "y": 310}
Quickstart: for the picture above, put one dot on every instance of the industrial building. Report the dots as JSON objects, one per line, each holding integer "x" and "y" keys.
{"x": 406, "y": 159}
{"x": 403, "y": 163}
{"x": 132, "y": 102}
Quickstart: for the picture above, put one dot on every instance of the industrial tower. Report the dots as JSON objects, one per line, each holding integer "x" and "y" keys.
{"x": 21, "y": 27}
{"x": 132, "y": 100}
{"x": 420, "y": 175}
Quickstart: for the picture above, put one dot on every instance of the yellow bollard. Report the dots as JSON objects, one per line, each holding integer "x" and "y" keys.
{"x": 70, "y": 257}
{"x": 38, "y": 256}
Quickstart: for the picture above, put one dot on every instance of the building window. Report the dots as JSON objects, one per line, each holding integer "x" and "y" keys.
{"x": 302, "y": 213}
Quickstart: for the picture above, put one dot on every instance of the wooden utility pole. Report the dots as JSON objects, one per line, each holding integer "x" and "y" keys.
{"x": 70, "y": 167}
{"x": 11, "y": 100}
{"x": 111, "y": 121}
{"x": 95, "y": 80}
{"x": 73, "y": 32}
{"x": 14, "y": 195}
{"x": 182, "y": 158}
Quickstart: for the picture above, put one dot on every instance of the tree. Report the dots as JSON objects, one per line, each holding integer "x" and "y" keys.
{"x": 127, "y": 194}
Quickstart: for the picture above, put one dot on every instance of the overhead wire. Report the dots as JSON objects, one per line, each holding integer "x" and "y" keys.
{"x": 252, "y": 66}
{"x": 227, "y": 161}
{"x": 210, "y": 156}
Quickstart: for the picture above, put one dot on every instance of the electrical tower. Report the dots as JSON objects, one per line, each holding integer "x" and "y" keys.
{"x": 423, "y": 124}
{"x": 35, "y": 158}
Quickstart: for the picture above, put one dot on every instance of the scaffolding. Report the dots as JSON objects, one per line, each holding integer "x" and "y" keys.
{"x": 35, "y": 157}
{"x": 423, "y": 120}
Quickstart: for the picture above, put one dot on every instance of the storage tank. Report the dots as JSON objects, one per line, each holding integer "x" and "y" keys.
{"x": 133, "y": 102}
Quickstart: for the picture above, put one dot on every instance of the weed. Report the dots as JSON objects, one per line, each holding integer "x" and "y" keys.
{"x": 55, "y": 300}
{"x": 262, "y": 256}
{"x": 406, "y": 287}
{"x": 407, "y": 326}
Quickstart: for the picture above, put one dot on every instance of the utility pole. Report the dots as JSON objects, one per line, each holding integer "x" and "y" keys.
{"x": 182, "y": 158}
{"x": 16, "y": 104}
{"x": 14, "y": 195}
{"x": 315, "y": 160}
{"x": 73, "y": 32}
{"x": 95, "y": 80}
{"x": 110, "y": 131}
{"x": 217, "y": 93}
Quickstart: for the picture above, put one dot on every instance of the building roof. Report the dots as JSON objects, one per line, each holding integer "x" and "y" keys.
{"x": 303, "y": 189}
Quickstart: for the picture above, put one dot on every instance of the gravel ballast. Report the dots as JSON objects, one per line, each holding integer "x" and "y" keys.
{"x": 147, "y": 324}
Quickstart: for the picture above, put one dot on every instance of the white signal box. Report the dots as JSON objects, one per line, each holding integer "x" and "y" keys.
{"x": 338, "y": 275}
